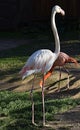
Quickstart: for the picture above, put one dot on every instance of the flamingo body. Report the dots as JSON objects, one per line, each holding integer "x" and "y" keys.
{"x": 40, "y": 61}
{"x": 62, "y": 59}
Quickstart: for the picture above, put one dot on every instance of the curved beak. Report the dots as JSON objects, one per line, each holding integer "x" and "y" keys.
{"x": 62, "y": 12}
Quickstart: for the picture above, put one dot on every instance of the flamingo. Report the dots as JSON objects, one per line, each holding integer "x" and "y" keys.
{"x": 62, "y": 59}
{"x": 42, "y": 60}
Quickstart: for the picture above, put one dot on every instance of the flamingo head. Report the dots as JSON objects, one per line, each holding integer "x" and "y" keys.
{"x": 58, "y": 9}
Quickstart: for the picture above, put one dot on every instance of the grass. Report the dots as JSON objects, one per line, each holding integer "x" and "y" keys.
{"x": 15, "y": 109}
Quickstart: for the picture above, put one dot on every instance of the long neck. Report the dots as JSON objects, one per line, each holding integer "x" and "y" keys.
{"x": 55, "y": 32}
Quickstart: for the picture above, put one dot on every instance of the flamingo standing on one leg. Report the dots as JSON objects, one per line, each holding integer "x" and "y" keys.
{"x": 62, "y": 59}
{"x": 42, "y": 60}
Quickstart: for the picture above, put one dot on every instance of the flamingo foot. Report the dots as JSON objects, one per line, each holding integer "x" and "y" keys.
{"x": 34, "y": 124}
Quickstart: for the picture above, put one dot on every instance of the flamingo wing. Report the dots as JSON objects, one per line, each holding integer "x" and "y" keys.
{"x": 40, "y": 61}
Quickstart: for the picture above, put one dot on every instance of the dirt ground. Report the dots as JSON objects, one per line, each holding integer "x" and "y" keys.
{"x": 66, "y": 121}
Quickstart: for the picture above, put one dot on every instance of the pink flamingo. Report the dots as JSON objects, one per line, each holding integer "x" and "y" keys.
{"x": 62, "y": 59}
{"x": 42, "y": 60}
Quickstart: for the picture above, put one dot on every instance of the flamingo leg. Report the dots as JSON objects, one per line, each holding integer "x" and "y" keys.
{"x": 43, "y": 102}
{"x": 59, "y": 79}
{"x": 68, "y": 77}
{"x": 45, "y": 77}
{"x": 32, "y": 101}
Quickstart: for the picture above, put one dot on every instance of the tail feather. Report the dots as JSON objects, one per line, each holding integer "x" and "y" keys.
{"x": 24, "y": 69}
{"x": 29, "y": 72}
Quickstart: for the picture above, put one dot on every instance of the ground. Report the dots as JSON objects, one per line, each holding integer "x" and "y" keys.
{"x": 66, "y": 121}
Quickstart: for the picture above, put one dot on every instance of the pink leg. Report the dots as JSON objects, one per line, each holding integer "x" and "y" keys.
{"x": 59, "y": 79}
{"x": 31, "y": 94}
{"x": 68, "y": 77}
{"x": 43, "y": 102}
{"x": 45, "y": 77}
